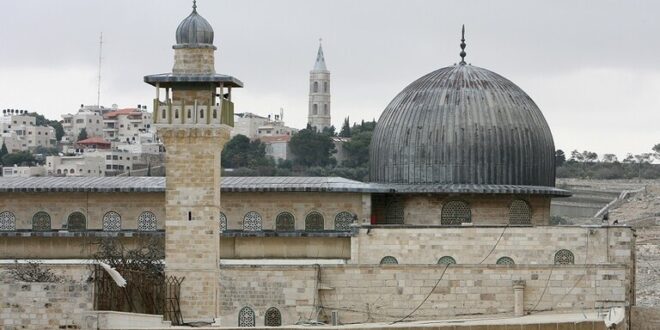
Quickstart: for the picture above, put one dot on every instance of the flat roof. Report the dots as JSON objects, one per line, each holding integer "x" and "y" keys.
{"x": 169, "y": 79}
{"x": 260, "y": 184}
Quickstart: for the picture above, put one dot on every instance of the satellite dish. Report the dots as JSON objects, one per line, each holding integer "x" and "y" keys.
{"x": 614, "y": 317}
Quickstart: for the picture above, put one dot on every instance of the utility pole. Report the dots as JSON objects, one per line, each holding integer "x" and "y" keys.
{"x": 98, "y": 91}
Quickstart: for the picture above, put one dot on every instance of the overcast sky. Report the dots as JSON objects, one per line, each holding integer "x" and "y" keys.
{"x": 593, "y": 67}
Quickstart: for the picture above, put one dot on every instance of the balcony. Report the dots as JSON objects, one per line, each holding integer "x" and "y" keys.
{"x": 173, "y": 114}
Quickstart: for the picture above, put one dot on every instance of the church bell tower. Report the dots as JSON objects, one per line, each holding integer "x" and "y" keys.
{"x": 193, "y": 115}
{"x": 319, "y": 93}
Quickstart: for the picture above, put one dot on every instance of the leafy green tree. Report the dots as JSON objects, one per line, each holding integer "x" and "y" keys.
{"x": 18, "y": 158}
{"x": 610, "y": 158}
{"x": 357, "y": 150}
{"x": 312, "y": 148}
{"x": 82, "y": 135}
{"x": 241, "y": 152}
{"x": 345, "y": 129}
{"x": 3, "y": 150}
{"x": 330, "y": 131}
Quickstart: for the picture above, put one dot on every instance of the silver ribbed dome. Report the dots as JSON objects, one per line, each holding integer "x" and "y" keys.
{"x": 194, "y": 30}
{"x": 462, "y": 125}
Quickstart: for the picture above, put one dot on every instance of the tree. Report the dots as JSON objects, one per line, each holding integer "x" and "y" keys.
{"x": 345, "y": 129}
{"x": 241, "y": 152}
{"x": 589, "y": 156}
{"x": 82, "y": 135}
{"x": 3, "y": 150}
{"x": 18, "y": 158}
{"x": 357, "y": 150}
{"x": 560, "y": 158}
{"x": 312, "y": 148}
{"x": 577, "y": 156}
{"x": 330, "y": 131}
{"x": 610, "y": 158}
{"x": 656, "y": 151}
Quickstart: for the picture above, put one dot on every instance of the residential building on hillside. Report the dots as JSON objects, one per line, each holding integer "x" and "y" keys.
{"x": 20, "y": 132}
{"x": 277, "y": 147}
{"x": 89, "y": 119}
{"x": 255, "y": 126}
{"x": 23, "y": 171}
{"x": 126, "y": 125}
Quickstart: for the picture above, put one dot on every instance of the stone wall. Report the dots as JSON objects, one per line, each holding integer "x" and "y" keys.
{"x": 380, "y": 293}
{"x": 235, "y": 206}
{"x": 422, "y": 209}
{"x": 645, "y": 318}
{"x": 94, "y": 206}
{"x": 45, "y": 305}
{"x": 470, "y": 245}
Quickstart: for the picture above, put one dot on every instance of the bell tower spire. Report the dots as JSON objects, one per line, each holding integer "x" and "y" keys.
{"x": 319, "y": 115}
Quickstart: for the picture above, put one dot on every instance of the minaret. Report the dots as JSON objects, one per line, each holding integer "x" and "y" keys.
{"x": 319, "y": 93}
{"x": 194, "y": 120}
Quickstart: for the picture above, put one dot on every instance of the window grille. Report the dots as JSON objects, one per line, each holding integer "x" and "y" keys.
{"x": 246, "y": 317}
{"x": 41, "y": 221}
{"x": 273, "y": 317}
{"x": 76, "y": 222}
{"x": 252, "y": 221}
{"x": 520, "y": 213}
{"x": 454, "y": 213}
{"x": 7, "y": 221}
{"x": 564, "y": 257}
{"x": 285, "y": 222}
{"x": 389, "y": 260}
{"x": 111, "y": 221}
{"x": 314, "y": 222}
{"x": 147, "y": 221}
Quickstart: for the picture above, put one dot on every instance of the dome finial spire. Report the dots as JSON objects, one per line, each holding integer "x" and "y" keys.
{"x": 463, "y": 46}
{"x": 195, "y": 5}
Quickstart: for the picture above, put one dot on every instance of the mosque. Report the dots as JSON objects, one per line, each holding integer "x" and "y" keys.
{"x": 454, "y": 223}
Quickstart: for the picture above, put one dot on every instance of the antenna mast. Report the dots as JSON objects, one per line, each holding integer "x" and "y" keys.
{"x": 98, "y": 91}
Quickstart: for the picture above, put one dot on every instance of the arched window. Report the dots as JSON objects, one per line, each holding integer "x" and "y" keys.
{"x": 223, "y": 222}
{"x": 325, "y": 109}
{"x": 201, "y": 113}
{"x": 66, "y": 171}
{"x": 163, "y": 113}
{"x": 76, "y": 222}
{"x": 176, "y": 113}
{"x": 189, "y": 114}
{"x": 314, "y": 221}
{"x": 315, "y": 109}
{"x": 215, "y": 113}
{"x": 7, "y": 221}
{"x": 285, "y": 222}
{"x": 246, "y": 317}
{"x": 564, "y": 257}
{"x": 147, "y": 221}
{"x": 325, "y": 87}
{"x": 446, "y": 260}
{"x": 343, "y": 221}
{"x": 316, "y": 87}
{"x": 111, "y": 221}
{"x": 520, "y": 213}
{"x": 252, "y": 221}
{"x": 455, "y": 213}
{"x": 394, "y": 212}
{"x": 505, "y": 261}
{"x": 388, "y": 260}
{"x": 72, "y": 171}
{"x": 59, "y": 171}
{"x": 41, "y": 221}
{"x": 273, "y": 317}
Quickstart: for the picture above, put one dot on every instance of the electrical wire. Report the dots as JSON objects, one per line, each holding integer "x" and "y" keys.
{"x": 425, "y": 298}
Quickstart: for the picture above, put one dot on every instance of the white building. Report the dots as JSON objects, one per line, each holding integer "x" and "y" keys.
{"x": 23, "y": 171}
{"x": 89, "y": 118}
{"x": 255, "y": 126}
{"x": 126, "y": 125}
{"x": 94, "y": 163}
{"x": 277, "y": 147}
{"x": 20, "y": 132}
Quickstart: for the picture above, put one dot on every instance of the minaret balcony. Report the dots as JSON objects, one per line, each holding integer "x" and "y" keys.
{"x": 178, "y": 113}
